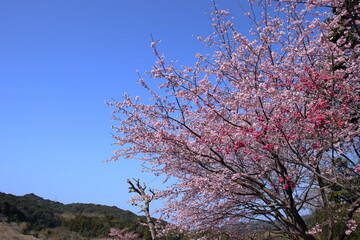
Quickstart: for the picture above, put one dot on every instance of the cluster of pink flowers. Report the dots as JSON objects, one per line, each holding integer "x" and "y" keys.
{"x": 314, "y": 230}
{"x": 351, "y": 225}
{"x": 122, "y": 234}
{"x": 286, "y": 182}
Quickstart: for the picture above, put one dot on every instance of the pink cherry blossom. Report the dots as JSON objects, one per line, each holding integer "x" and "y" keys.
{"x": 288, "y": 91}
{"x": 122, "y": 234}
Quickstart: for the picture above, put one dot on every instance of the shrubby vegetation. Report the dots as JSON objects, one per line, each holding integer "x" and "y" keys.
{"x": 95, "y": 226}
{"x": 29, "y": 209}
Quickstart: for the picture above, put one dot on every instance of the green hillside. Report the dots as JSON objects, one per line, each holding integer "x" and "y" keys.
{"x": 47, "y": 219}
{"x": 57, "y": 207}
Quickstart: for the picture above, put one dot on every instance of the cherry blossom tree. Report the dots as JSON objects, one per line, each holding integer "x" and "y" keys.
{"x": 264, "y": 126}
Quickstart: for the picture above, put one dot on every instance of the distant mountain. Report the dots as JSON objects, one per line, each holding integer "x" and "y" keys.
{"x": 35, "y": 215}
{"x": 73, "y": 208}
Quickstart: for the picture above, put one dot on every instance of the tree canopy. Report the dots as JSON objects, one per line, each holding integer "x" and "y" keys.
{"x": 264, "y": 126}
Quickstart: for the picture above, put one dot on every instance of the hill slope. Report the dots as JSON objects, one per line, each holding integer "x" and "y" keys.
{"x": 57, "y": 207}
{"x": 37, "y": 215}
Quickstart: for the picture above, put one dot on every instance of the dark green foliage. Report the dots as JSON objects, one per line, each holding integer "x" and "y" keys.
{"x": 28, "y": 209}
{"x": 60, "y": 233}
{"x": 98, "y": 226}
{"x": 11, "y": 213}
{"x": 81, "y": 208}
{"x": 59, "y": 208}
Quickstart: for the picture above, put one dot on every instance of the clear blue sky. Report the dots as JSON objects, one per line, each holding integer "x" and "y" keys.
{"x": 60, "y": 60}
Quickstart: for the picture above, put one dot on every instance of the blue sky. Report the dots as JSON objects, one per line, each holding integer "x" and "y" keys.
{"x": 60, "y": 60}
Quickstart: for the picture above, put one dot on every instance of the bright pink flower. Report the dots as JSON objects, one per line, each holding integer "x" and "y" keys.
{"x": 357, "y": 169}
{"x": 285, "y": 186}
{"x": 258, "y": 158}
{"x": 239, "y": 144}
{"x": 292, "y": 184}
{"x": 268, "y": 147}
{"x": 315, "y": 146}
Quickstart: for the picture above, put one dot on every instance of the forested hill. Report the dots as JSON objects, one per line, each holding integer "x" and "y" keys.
{"x": 36, "y": 215}
{"x": 60, "y": 208}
